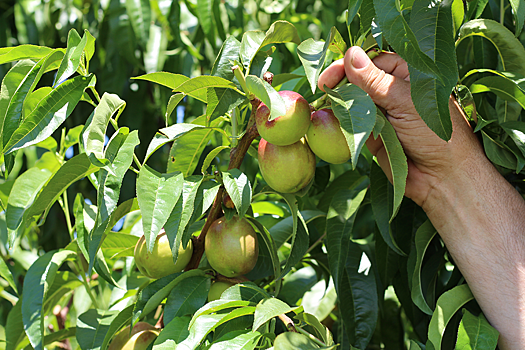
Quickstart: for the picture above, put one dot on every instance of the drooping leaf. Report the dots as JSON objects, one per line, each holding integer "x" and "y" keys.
{"x": 186, "y": 298}
{"x": 14, "y": 327}
{"x": 50, "y": 113}
{"x": 37, "y": 281}
{"x": 22, "y": 52}
{"x": 447, "y": 305}
{"x": 221, "y": 101}
{"x": 501, "y": 86}
{"x": 73, "y": 170}
{"x": 242, "y": 340}
{"x": 139, "y": 12}
{"x": 23, "y": 193}
{"x": 247, "y": 291}
{"x": 92, "y": 327}
{"x": 510, "y": 50}
{"x": 434, "y": 29}
{"x": 267, "y": 94}
{"x": 170, "y": 80}
{"x": 157, "y": 195}
{"x": 169, "y": 134}
{"x": 185, "y": 152}
{"x": 222, "y": 67}
{"x": 123, "y": 318}
{"x": 93, "y": 137}
{"x": 239, "y": 188}
{"x": 72, "y": 57}
{"x": 173, "y": 333}
{"x": 267, "y": 309}
{"x": 198, "y": 86}
{"x": 291, "y": 340}
{"x": 7, "y": 275}
{"x": 475, "y": 332}
{"x": 357, "y": 115}
{"x": 211, "y": 156}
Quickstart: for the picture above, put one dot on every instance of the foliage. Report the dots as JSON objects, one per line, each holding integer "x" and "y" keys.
{"x": 120, "y": 118}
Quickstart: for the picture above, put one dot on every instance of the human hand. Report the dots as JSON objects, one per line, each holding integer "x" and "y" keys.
{"x": 430, "y": 159}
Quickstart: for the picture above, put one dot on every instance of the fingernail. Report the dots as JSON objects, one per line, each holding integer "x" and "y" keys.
{"x": 359, "y": 59}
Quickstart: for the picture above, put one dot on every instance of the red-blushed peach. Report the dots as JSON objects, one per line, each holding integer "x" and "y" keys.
{"x": 286, "y": 129}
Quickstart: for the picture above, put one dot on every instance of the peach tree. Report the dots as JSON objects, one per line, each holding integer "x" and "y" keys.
{"x": 342, "y": 259}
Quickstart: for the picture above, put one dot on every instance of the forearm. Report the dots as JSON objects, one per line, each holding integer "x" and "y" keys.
{"x": 481, "y": 219}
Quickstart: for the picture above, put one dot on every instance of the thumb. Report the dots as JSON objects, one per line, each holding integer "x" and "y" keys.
{"x": 386, "y": 90}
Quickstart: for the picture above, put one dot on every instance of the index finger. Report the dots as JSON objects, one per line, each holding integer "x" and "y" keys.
{"x": 332, "y": 75}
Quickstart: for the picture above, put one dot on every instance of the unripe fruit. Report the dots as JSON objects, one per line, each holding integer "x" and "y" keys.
{"x": 286, "y": 169}
{"x": 231, "y": 246}
{"x": 141, "y": 340}
{"x": 326, "y": 139}
{"x": 286, "y": 129}
{"x": 159, "y": 262}
{"x": 217, "y": 288}
{"x": 122, "y": 337}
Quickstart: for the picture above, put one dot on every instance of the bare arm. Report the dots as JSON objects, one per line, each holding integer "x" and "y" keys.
{"x": 478, "y": 214}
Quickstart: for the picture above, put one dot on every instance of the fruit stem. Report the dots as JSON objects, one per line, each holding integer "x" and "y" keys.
{"x": 236, "y": 157}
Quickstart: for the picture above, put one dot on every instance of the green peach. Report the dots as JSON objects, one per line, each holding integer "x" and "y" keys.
{"x": 217, "y": 288}
{"x": 122, "y": 337}
{"x": 231, "y": 246}
{"x": 286, "y": 169}
{"x": 326, "y": 139}
{"x": 141, "y": 340}
{"x": 286, "y": 129}
{"x": 159, "y": 262}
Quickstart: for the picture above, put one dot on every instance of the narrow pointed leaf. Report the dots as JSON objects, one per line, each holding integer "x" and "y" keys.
{"x": 173, "y": 333}
{"x": 222, "y": 67}
{"x": 267, "y": 94}
{"x": 169, "y": 134}
{"x": 221, "y": 101}
{"x": 92, "y": 327}
{"x": 185, "y": 153}
{"x": 238, "y": 187}
{"x": 167, "y": 79}
{"x": 186, "y": 298}
{"x": 72, "y": 57}
{"x": 268, "y": 309}
{"x": 447, "y": 305}
{"x": 22, "y": 52}
{"x": 198, "y": 85}
{"x": 6, "y": 274}
{"x": 39, "y": 277}
{"x": 157, "y": 195}
{"x": 122, "y": 319}
{"x": 475, "y": 332}
{"x": 50, "y": 113}
{"x": 357, "y": 115}
{"x": 300, "y": 235}
{"x": 139, "y": 12}
{"x": 501, "y": 86}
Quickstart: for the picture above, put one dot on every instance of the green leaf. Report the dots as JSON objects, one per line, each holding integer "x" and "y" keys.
{"x": 157, "y": 195}
{"x": 239, "y": 340}
{"x": 78, "y": 212}
{"x": 73, "y": 170}
{"x": 93, "y": 136}
{"x": 181, "y": 214}
{"x": 245, "y": 291}
{"x": 72, "y": 137}
{"x": 186, "y": 298}
{"x": 39, "y": 277}
{"x": 221, "y": 101}
{"x": 222, "y": 67}
{"x": 6, "y": 274}
{"x": 511, "y": 52}
{"x": 434, "y": 29}
{"x": 339, "y": 224}
{"x": 72, "y": 58}
{"x": 291, "y": 340}
{"x": 117, "y": 245}
{"x": 23, "y": 193}
{"x": 424, "y": 236}
{"x": 381, "y": 196}
{"x": 211, "y": 156}
{"x": 22, "y": 52}
{"x": 357, "y": 115}
{"x": 322, "y": 331}
{"x": 50, "y": 113}
{"x": 14, "y": 327}
{"x": 217, "y": 306}
{"x": 500, "y": 154}
{"x": 205, "y": 15}
{"x": 267, "y": 309}
{"x": 12, "y": 80}
{"x": 139, "y": 12}
{"x": 92, "y": 327}
{"x": 475, "y": 332}
{"x": 312, "y": 54}
{"x": 400, "y": 36}
{"x": 169, "y": 134}
{"x": 172, "y": 104}
{"x": 173, "y": 333}
{"x": 447, "y": 305}
{"x": 15, "y": 113}
{"x": 516, "y": 130}
{"x": 197, "y": 86}
{"x": 398, "y": 164}
{"x": 503, "y": 87}
{"x": 238, "y": 187}
{"x": 267, "y": 94}
{"x": 123, "y": 318}
{"x": 185, "y": 152}
{"x": 170, "y": 80}
{"x": 253, "y": 41}
{"x": 518, "y": 12}
{"x": 119, "y": 152}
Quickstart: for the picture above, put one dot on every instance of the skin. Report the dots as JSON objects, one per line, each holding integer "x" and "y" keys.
{"x": 231, "y": 246}
{"x": 289, "y": 128}
{"x": 286, "y": 169}
{"x": 326, "y": 139}
{"x": 478, "y": 214}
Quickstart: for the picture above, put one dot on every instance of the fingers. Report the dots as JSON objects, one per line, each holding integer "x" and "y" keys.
{"x": 388, "y": 91}
{"x": 332, "y": 75}
{"x": 392, "y": 64}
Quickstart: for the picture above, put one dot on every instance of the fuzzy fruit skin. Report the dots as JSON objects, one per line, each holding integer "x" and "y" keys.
{"x": 286, "y": 169}
{"x": 122, "y": 337}
{"x": 159, "y": 262}
{"x": 141, "y": 340}
{"x": 216, "y": 290}
{"x": 326, "y": 139}
{"x": 289, "y": 128}
{"x": 231, "y": 246}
